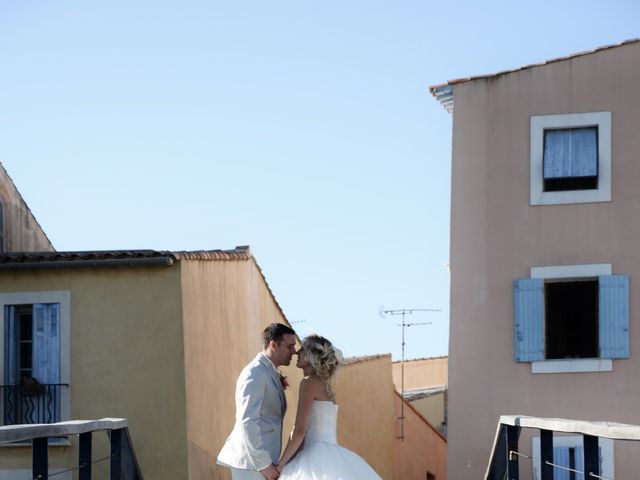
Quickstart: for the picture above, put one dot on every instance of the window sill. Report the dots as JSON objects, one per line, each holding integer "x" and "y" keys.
{"x": 573, "y": 365}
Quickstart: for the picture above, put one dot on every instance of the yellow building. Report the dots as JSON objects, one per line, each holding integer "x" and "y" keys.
{"x": 155, "y": 337}
{"x": 158, "y": 338}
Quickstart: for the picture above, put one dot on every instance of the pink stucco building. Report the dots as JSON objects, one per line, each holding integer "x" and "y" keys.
{"x": 545, "y": 270}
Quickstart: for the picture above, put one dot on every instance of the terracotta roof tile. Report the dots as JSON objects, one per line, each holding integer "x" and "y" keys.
{"x": 433, "y": 88}
{"x": 443, "y": 92}
{"x": 18, "y": 260}
{"x": 239, "y": 253}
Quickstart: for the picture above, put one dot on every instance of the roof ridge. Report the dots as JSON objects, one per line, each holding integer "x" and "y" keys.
{"x": 422, "y": 358}
{"x": 364, "y": 358}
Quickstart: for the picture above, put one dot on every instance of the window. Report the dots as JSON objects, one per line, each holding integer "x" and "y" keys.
{"x": 570, "y": 158}
{"x": 35, "y": 357}
{"x": 571, "y": 318}
{"x": 568, "y": 452}
{"x": 571, "y": 314}
{"x": 32, "y": 363}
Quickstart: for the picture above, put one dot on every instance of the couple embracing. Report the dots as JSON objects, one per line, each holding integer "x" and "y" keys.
{"x": 252, "y": 451}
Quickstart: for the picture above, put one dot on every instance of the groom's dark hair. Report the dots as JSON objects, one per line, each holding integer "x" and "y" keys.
{"x": 275, "y": 332}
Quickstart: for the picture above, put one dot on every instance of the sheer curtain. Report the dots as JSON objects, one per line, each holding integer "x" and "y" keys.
{"x": 571, "y": 153}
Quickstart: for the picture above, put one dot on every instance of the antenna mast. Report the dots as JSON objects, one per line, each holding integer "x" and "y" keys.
{"x": 403, "y": 312}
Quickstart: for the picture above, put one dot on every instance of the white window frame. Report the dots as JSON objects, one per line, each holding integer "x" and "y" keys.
{"x": 62, "y": 297}
{"x": 606, "y": 452}
{"x": 580, "y": 364}
{"x": 539, "y": 123}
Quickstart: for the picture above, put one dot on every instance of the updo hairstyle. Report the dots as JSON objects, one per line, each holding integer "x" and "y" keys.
{"x": 322, "y": 355}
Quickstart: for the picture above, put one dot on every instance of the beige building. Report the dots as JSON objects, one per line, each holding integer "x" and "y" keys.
{"x": 544, "y": 263}
{"x": 425, "y": 387}
{"x": 19, "y": 230}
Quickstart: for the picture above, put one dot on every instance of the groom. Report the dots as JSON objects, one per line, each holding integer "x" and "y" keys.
{"x": 253, "y": 448}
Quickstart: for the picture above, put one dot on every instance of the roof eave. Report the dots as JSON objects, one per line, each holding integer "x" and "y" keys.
{"x": 444, "y": 94}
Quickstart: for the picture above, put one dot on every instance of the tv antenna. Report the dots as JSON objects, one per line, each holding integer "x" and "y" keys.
{"x": 403, "y": 312}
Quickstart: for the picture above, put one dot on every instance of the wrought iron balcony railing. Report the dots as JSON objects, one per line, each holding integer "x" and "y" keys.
{"x": 31, "y": 404}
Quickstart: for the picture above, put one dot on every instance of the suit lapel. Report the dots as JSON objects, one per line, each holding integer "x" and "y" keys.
{"x": 265, "y": 362}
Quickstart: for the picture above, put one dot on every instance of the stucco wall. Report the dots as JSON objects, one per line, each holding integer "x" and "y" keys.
{"x": 422, "y": 450}
{"x": 226, "y": 305}
{"x": 126, "y": 361}
{"x": 496, "y": 236}
{"x": 421, "y": 373}
{"x": 366, "y": 423}
{"x": 20, "y": 230}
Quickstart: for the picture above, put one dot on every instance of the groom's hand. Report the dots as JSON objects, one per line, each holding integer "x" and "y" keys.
{"x": 270, "y": 472}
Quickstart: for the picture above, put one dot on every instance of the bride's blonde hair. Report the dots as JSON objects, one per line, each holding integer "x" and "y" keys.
{"x": 322, "y": 355}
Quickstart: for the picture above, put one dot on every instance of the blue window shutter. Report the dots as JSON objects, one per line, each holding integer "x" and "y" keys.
{"x": 46, "y": 343}
{"x": 614, "y": 316}
{"x": 561, "y": 457}
{"x": 528, "y": 301}
{"x": 580, "y": 462}
{"x": 11, "y": 344}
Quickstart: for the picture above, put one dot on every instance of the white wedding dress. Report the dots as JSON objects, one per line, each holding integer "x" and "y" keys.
{"x": 322, "y": 458}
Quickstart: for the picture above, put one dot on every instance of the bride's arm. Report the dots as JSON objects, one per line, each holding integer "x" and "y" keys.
{"x": 305, "y": 402}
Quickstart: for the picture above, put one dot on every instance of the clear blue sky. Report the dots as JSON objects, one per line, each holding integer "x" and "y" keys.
{"x": 303, "y": 129}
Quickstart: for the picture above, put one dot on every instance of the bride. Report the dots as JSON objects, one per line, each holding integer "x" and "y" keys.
{"x": 313, "y": 452}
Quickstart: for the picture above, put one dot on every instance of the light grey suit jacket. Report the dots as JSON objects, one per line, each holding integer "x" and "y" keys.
{"x": 256, "y": 439}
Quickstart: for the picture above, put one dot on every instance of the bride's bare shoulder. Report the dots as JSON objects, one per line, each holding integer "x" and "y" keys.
{"x": 312, "y": 382}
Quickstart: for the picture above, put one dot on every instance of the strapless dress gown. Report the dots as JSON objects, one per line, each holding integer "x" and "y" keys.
{"x": 322, "y": 458}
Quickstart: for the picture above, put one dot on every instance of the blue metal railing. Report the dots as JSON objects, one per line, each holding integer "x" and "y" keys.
{"x": 505, "y": 456}
{"x": 123, "y": 464}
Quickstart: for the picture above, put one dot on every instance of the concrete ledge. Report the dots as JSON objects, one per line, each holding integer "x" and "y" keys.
{"x": 615, "y": 431}
{"x": 573, "y": 366}
{"x": 19, "y": 433}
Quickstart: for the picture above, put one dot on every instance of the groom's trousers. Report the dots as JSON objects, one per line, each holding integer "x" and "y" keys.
{"x": 237, "y": 474}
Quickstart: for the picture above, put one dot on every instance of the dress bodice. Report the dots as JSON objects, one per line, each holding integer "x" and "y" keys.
{"x": 321, "y": 456}
{"x": 322, "y": 422}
